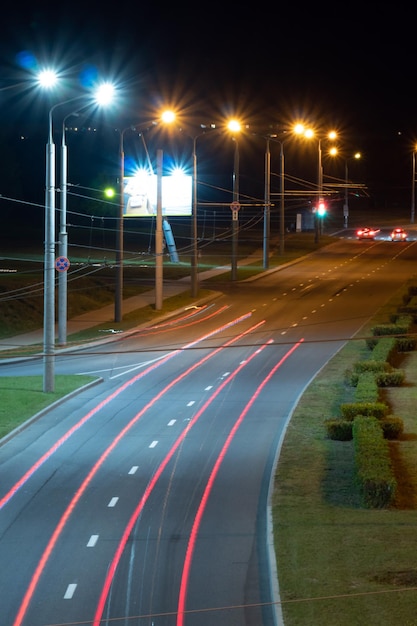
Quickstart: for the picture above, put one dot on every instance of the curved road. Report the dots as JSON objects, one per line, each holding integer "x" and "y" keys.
{"x": 144, "y": 499}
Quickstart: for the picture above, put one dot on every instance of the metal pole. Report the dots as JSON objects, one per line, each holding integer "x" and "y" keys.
{"x": 63, "y": 239}
{"x": 282, "y": 206}
{"x": 235, "y": 220}
{"x": 346, "y": 205}
{"x": 194, "y": 257}
{"x": 118, "y": 302}
{"x": 267, "y": 207}
{"x": 158, "y": 233}
{"x": 49, "y": 266}
{"x": 319, "y": 199}
{"x": 413, "y": 188}
{"x": 63, "y": 245}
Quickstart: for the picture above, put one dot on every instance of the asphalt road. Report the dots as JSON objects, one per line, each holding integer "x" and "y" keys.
{"x": 144, "y": 500}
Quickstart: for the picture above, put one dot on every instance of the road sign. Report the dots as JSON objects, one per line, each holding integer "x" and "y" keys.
{"x": 235, "y": 206}
{"x": 62, "y": 264}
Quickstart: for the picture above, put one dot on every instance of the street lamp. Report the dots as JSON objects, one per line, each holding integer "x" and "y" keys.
{"x": 267, "y": 206}
{"x": 102, "y": 96}
{"x": 63, "y": 238}
{"x": 235, "y": 127}
{"x": 309, "y": 134}
{"x": 357, "y": 156}
{"x": 167, "y": 117}
{"x": 413, "y": 185}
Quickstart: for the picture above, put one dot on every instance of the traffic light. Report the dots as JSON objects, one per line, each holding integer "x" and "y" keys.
{"x": 321, "y": 210}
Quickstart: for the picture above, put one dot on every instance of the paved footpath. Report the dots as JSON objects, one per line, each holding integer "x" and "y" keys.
{"x": 106, "y": 314}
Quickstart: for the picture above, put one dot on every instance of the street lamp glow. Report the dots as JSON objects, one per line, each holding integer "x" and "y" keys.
{"x": 104, "y": 94}
{"x": 47, "y": 78}
{"x": 299, "y": 129}
{"x": 50, "y": 238}
{"x": 234, "y": 126}
{"x": 168, "y": 117}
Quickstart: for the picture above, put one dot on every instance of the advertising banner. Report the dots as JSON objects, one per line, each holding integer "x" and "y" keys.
{"x": 140, "y": 195}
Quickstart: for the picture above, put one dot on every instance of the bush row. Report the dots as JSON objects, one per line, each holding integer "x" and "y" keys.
{"x": 366, "y": 420}
{"x": 372, "y": 460}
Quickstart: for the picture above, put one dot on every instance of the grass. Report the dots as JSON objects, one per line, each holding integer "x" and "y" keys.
{"x": 339, "y": 563}
{"x": 22, "y": 398}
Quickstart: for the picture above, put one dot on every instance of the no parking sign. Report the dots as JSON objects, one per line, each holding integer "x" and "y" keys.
{"x": 62, "y": 264}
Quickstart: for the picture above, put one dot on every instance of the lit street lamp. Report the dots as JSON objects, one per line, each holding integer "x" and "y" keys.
{"x": 234, "y": 127}
{"x": 413, "y": 186}
{"x": 357, "y": 155}
{"x": 102, "y": 96}
{"x": 63, "y": 238}
{"x": 309, "y": 133}
{"x": 267, "y": 207}
{"x": 167, "y": 117}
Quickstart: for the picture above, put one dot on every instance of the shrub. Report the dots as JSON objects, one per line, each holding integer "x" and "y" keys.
{"x": 373, "y": 464}
{"x": 405, "y": 344}
{"x": 367, "y": 389}
{"x": 338, "y": 429}
{"x": 384, "y": 349}
{"x": 350, "y": 410}
{"x": 371, "y": 366}
{"x": 395, "y": 378}
{"x": 392, "y": 427}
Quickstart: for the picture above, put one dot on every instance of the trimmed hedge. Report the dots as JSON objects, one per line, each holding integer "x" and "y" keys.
{"x": 367, "y": 389}
{"x": 338, "y": 429}
{"x": 350, "y": 410}
{"x": 395, "y": 378}
{"x": 384, "y": 349}
{"x": 373, "y": 464}
{"x": 392, "y": 427}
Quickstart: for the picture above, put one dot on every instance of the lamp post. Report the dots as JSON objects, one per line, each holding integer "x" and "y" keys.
{"x": 207, "y": 129}
{"x": 103, "y": 96}
{"x": 282, "y": 199}
{"x": 267, "y": 206}
{"x": 413, "y": 186}
{"x": 309, "y": 133}
{"x": 49, "y": 260}
{"x": 194, "y": 256}
{"x": 63, "y": 238}
{"x": 235, "y": 222}
{"x": 357, "y": 155}
{"x": 159, "y": 233}
{"x": 118, "y": 300}
{"x": 235, "y": 127}
{"x": 167, "y": 117}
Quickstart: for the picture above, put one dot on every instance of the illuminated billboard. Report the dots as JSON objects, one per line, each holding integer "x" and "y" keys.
{"x": 140, "y": 195}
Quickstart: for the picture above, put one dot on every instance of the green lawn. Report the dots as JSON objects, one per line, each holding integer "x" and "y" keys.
{"x": 339, "y": 563}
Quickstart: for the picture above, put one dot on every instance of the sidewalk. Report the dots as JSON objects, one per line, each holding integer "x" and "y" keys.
{"x": 106, "y": 314}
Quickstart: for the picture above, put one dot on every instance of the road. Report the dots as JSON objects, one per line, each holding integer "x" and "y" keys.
{"x": 144, "y": 499}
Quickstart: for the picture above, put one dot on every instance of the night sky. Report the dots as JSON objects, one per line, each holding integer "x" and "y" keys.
{"x": 337, "y": 68}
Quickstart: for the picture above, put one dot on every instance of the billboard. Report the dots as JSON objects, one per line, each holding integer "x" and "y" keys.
{"x": 140, "y": 195}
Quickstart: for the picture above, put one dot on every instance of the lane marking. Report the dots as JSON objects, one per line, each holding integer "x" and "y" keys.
{"x": 133, "y": 469}
{"x": 70, "y": 591}
{"x": 92, "y": 541}
{"x": 113, "y": 502}
{"x": 153, "y": 444}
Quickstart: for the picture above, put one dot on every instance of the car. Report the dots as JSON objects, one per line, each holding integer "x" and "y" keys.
{"x": 366, "y": 233}
{"x": 398, "y": 234}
